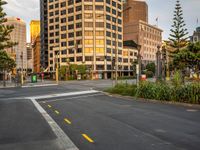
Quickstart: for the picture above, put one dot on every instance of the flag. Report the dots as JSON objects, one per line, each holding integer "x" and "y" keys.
{"x": 157, "y": 19}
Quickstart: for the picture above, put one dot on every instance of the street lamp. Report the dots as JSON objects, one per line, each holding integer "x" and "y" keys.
{"x": 57, "y": 79}
{"x": 116, "y": 48}
{"x": 22, "y": 71}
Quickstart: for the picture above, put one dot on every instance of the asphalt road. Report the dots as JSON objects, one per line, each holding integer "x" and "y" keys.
{"x": 101, "y": 122}
{"x": 94, "y": 121}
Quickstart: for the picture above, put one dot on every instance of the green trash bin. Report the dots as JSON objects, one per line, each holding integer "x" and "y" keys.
{"x": 34, "y": 78}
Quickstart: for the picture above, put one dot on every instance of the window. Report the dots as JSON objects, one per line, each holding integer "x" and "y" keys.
{"x": 88, "y": 16}
{"x": 99, "y": 42}
{"x": 88, "y": 33}
{"x": 88, "y": 24}
{"x": 100, "y": 8}
{"x": 99, "y": 50}
{"x": 88, "y": 50}
{"x": 99, "y": 33}
{"x": 99, "y": 24}
{"x": 88, "y": 7}
{"x": 88, "y": 42}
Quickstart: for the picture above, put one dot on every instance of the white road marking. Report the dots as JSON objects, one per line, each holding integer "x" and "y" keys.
{"x": 55, "y": 100}
{"x": 64, "y": 94}
{"x": 63, "y": 140}
{"x": 192, "y": 110}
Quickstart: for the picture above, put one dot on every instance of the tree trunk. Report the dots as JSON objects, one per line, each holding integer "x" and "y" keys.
{"x": 4, "y": 78}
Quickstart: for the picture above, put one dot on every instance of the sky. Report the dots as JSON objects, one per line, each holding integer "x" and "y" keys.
{"x": 163, "y": 9}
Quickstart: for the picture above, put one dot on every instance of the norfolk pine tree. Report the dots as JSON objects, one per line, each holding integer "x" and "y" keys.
{"x": 5, "y": 30}
{"x": 178, "y": 37}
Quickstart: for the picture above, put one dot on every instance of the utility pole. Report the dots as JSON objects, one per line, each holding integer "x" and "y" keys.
{"x": 22, "y": 71}
{"x": 57, "y": 79}
{"x": 116, "y": 44}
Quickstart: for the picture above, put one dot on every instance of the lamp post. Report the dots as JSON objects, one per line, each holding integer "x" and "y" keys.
{"x": 57, "y": 79}
{"x": 22, "y": 71}
{"x": 116, "y": 45}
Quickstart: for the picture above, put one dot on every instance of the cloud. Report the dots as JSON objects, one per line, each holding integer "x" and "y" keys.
{"x": 25, "y": 9}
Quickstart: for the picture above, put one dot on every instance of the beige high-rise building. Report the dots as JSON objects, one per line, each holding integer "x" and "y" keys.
{"x": 85, "y": 32}
{"x": 136, "y": 28}
{"x": 18, "y": 35}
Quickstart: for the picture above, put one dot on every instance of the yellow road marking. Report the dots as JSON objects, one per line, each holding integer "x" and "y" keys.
{"x": 67, "y": 121}
{"x": 49, "y": 106}
{"x": 87, "y": 138}
{"x": 57, "y": 112}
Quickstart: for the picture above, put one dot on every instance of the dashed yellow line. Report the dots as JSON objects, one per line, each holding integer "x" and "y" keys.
{"x": 57, "y": 112}
{"x": 49, "y": 106}
{"x": 67, "y": 121}
{"x": 87, "y": 138}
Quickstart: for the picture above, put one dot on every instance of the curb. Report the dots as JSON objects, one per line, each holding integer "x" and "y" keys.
{"x": 42, "y": 85}
{"x": 154, "y": 101}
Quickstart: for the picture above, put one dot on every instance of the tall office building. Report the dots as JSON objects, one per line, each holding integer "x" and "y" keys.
{"x": 34, "y": 29}
{"x": 36, "y": 54}
{"x": 29, "y": 57}
{"x": 44, "y": 33}
{"x": 18, "y": 35}
{"x": 136, "y": 28}
{"x": 83, "y": 31}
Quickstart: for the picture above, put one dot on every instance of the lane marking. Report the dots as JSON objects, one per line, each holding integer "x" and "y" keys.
{"x": 49, "y": 106}
{"x": 67, "y": 121}
{"x": 73, "y": 97}
{"x": 63, "y": 141}
{"x": 191, "y": 110}
{"x": 87, "y": 138}
{"x": 57, "y": 112}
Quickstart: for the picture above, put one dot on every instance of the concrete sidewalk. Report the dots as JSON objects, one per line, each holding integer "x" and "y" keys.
{"x": 28, "y": 84}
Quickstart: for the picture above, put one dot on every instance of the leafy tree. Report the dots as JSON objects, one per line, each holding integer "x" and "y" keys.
{"x": 5, "y": 30}
{"x": 188, "y": 57}
{"x": 62, "y": 72}
{"x": 7, "y": 64}
{"x": 178, "y": 37}
{"x": 151, "y": 67}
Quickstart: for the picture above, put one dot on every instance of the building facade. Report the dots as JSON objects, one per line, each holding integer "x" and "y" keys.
{"x": 44, "y": 33}
{"x": 29, "y": 57}
{"x": 136, "y": 28}
{"x": 18, "y": 35}
{"x": 88, "y": 32}
{"x": 36, "y": 54}
{"x": 138, "y": 11}
{"x": 34, "y": 30}
{"x": 196, "y": 36}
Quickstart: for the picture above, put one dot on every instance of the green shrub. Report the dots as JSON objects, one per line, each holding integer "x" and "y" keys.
{"x": 160, "y": 91}
{"x": 177, "y": 79}
{"x": 188, "y": 93}
{"x": 123, "y": 89}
